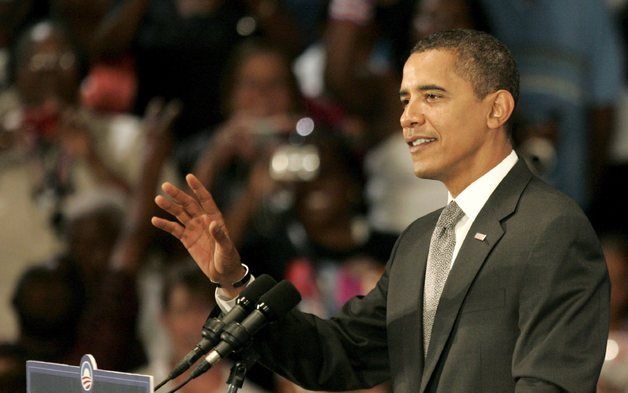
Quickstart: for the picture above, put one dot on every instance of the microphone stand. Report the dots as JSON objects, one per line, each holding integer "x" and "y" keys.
{"x": 247, "y": 358}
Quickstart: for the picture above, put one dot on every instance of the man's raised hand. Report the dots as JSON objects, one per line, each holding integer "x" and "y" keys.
{"x": 200, "y": 227}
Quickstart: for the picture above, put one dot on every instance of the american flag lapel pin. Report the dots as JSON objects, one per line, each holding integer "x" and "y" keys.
{"x": 479, "y": 236}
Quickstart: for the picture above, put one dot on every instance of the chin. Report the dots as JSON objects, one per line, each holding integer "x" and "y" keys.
{"x": 422, "y": 172}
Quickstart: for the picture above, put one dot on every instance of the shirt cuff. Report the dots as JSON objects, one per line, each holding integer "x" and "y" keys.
{"x": 224, "y": 302}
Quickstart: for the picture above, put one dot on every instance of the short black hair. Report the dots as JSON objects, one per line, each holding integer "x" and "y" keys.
{"x": 481, "y": 59}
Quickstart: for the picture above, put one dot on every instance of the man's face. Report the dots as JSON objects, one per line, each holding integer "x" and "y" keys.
{"x": 443, "y": 122}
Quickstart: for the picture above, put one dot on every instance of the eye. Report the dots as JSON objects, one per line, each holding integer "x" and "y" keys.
{"x": 404, "y": 102}
{"x": 431, "y": 97}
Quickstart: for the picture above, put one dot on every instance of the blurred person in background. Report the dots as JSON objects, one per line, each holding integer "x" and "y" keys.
{"x": 325, "y": 246}
{"x": 180, "y": 48}
{"x": 23, "y": 203}
{"x": 570, "y": 59}
{"x": 115, "y": 324}
{"x": 61, "y": 305}
{"x": 106, "y": 245}
{"x": 74, "y": 149}
{"x": 186, "y": 302}
{"x": 54, "y": 150}
{"x": 91, "y": 226}
{"x": 263, "y": 104}
{"x": 267, "y": 114}
{"x": 48, "y": 302}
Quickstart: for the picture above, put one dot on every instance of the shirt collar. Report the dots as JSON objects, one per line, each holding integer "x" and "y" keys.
{"x": 474, "y": 197}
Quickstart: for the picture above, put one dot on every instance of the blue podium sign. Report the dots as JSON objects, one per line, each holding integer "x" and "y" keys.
{"x": 44, "y": 377}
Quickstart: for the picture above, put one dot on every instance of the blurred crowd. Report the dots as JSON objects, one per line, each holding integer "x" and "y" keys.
{"x": 287, "y": 111}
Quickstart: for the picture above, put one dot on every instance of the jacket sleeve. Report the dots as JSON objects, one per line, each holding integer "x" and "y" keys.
{"x": 563, "y": 310}
{"x": 348, "y": 351}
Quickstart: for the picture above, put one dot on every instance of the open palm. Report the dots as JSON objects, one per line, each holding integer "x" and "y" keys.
{"x": 201, "y": 229}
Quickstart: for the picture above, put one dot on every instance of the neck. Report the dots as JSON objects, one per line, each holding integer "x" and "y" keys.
{"x": 475, "y": 169}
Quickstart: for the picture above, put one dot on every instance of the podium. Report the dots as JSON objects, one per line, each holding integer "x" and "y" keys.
{"x": 44, "y": 377}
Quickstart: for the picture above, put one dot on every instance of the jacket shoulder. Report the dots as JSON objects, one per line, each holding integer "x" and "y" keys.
{"x": 547, "y": 201}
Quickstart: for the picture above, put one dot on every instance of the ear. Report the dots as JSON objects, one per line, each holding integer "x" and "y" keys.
{"x": 502, "y": 107}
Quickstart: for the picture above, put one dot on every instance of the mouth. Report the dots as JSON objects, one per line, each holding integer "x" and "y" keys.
{"x": 419, "y": 143}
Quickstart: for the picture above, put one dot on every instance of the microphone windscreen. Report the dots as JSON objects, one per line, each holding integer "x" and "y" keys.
{"x": 258, "y": 287}
{"x": 280, "y": 299}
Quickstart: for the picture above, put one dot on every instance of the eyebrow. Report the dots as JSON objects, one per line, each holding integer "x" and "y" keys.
{"x": 404, "y": 92}
{"x": 432, "y": 87}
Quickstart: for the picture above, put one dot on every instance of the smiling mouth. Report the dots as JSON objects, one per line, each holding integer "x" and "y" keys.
{"x": 421, "y": 141}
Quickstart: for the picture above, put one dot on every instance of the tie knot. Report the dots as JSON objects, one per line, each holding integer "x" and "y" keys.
{"x": 450, "y": 215}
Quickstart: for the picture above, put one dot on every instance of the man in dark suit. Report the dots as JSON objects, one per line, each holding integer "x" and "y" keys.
{"x": 504, "y": 290}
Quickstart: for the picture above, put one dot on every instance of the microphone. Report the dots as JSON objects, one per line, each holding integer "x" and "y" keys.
{"x": 213, "y": 327}
{"x": 276, "y": 302}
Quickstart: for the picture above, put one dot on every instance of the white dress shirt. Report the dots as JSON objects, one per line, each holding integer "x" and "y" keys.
{"x": 473, "y": 198}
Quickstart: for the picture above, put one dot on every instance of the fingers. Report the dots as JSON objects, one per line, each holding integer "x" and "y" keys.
{"x": 171, "y": 227}
{"x": 187, "y": 202}
{"x": 173, "y": 208}
{"x": 204, "y": 197}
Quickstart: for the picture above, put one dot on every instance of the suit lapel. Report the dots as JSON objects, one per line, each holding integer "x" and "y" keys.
{"x": 410, "y": 278}
{"x": 471, "y": 257}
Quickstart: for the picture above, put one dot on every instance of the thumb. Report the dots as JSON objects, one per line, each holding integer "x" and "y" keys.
{"x": 219, "y": 233}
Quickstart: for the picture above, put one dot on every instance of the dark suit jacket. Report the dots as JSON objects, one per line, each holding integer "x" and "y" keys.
{"x": 524, "y": 310}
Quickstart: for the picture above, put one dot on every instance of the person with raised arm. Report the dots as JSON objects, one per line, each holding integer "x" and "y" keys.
{"x": 503, "y": 290}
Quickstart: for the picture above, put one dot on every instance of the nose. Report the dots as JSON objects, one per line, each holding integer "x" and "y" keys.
{"x": 412, "y": 115}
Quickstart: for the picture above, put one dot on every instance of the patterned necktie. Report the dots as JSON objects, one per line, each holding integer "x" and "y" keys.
{"x": 438, "y": 265}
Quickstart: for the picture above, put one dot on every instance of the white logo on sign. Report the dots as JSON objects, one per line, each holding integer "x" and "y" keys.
{"x": 87, "y": 376}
